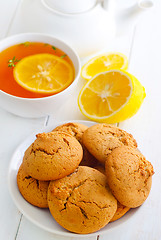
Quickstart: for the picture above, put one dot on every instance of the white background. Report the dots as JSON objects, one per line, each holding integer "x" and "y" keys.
{"x": 142, "y": 45}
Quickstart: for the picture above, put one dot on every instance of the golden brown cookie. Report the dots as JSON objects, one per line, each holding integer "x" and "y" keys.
{"x": 77, "y": 130}
{"x": 101, "y": 139}
{"x": 129, "y": 176}
{"x": 33, "y": 191}
{"x": 121, "y": 210}
{"x": 82, "y": 202}
{"x": 52, "y": 156}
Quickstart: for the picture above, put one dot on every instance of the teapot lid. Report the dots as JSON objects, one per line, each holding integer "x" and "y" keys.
{"x": 69, "y": 6}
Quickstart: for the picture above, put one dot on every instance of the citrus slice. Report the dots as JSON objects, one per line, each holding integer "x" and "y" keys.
{"x": 111, "y": 97}
{"x": 103, "y": 63}
{"x": 43, "y": 73}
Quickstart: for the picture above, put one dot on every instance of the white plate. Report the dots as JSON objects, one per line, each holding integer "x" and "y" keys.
{"x": 42, "y": 217}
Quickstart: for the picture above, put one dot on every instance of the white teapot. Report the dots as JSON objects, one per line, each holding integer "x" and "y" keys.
{"x": 89, "y": 25}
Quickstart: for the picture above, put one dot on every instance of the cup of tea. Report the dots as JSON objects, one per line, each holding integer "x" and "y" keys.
{"x": 18, "y": 94}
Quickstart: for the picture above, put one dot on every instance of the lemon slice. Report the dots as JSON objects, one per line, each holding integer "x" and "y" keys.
{"x": 103, "y": 63}
{"x": 43, "y": 73}
{"x": 111, "y": 97}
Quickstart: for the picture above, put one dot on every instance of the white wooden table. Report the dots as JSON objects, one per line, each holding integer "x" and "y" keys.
{"x": 143, "y": 47}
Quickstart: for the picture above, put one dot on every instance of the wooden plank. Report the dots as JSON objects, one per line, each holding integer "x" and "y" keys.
{"x": 13, "y": 131}
{"x": 7, "y": 13}
{"x": 8, "y": 209}
{"x": 145, "y": 125}
{"x": 30, "y": 231}
{"x": 69, "y": 110}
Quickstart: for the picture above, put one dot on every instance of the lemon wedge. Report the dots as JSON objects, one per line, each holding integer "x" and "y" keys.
{"x": 103, "y": 63}
{"x": 43, "y": 73}
{"x": 111, "y": 97}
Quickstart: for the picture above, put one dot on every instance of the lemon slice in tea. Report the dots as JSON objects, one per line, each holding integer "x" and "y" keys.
{"x": 43, "y": 73}
{"x": 111, "y": 97}
{"x": 103, "y": 63}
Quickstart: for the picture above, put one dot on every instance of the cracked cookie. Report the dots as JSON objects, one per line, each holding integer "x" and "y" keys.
{"x": 77, "y": 130}
{"x": 33, "y": 191}
{"x": 52, "y": 156}
{"x": 82, "y": 201}
{"x": 101, "y": 139}
{"x": 129, "y": 176}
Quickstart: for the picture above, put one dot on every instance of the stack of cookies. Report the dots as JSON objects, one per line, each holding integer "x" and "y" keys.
{"x": 87, "y": 177}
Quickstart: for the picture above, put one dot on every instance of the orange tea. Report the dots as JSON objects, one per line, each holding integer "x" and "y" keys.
{"x": 12, "y": 55}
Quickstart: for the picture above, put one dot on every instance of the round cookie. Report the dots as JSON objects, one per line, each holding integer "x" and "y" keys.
{"x": 101, "y": 139}
{"x": 77, "y": 130}
{"x": 121, "y": 210}
{"x": 82, "y": 202}
{"x": 129, "y": 176}
{"x": 33, "y": 191}
{"x": 52, "y": 156}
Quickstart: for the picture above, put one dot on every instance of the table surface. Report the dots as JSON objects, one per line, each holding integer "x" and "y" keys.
{"x": 142, "y": 46}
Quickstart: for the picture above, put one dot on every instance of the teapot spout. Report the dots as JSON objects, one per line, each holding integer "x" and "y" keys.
{"x": 128, "y": 17}
{"x": 140, "y": 7}
{"x": 142, "y": 4}
{"x": 145, "y": 4}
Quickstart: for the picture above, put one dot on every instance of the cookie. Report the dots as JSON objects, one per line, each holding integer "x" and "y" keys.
{"x": 121, "y": 210}
{"x": 33, "y": 191}
{"x": 82, "y": 202}
{"x": 101, "y": 139}
{"x": 52, "y": 156}
{"x": 129, "y": 176}
{"x": 77, "y": 130}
